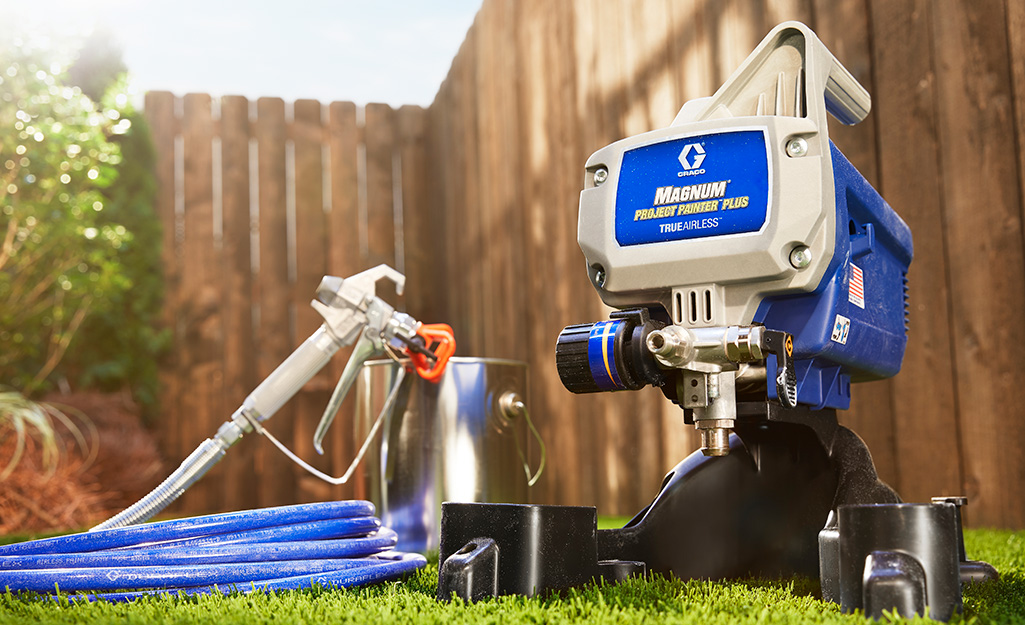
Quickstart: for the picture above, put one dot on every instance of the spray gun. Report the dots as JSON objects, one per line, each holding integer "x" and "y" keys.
{"x": 352, "y": 313}
{"x": 749, "y": 259}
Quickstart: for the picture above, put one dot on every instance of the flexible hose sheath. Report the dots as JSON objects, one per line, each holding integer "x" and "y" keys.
{"x": 124, "y": 578}
{"x": 364, "y": 571}
{"x": 191, "y": 528}
{"x": 257, "y": 549}
{"x": 314, "y": 530}
{"x": 216, "y": 554}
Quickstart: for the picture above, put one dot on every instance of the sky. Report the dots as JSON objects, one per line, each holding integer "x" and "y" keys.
{"x": 392, "y": 51}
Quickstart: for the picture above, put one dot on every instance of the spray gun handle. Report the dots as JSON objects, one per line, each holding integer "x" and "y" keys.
{"x": 291, "y": 375}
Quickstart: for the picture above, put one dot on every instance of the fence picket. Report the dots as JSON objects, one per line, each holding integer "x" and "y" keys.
{"x": 904, "y": 97}
{"x": 310, "y": 267}
{"x": 203, "y": 339}
{"x": 237, "y": 300}
{"x": 163, "y": 127}
{"x": 274, "y": 338}
{"x": 343, "y": 260}
{"x": 983, "y": 219}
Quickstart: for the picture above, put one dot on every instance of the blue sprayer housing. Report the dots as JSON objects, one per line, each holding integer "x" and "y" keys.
{"x": 836, "y": 341}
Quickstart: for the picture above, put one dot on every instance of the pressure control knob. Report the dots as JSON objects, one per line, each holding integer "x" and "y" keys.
{"x": 608, "y": 355}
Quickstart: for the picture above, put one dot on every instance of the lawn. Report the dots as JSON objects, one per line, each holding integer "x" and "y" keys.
{"x": 636, "y": 601}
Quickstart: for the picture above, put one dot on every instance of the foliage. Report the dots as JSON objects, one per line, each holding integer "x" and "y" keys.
{"x": 26, "y": 420}
{"x": 121, "y": 348}
{"x": 98, "y": 66}
{"x": 79, "y": 267}
{"x": 654, "y": 600}
{"x": 59, "y": 260}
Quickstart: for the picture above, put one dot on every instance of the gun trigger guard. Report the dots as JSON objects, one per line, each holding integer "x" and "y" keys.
{"x": 389, "y": 403}
{"x": 366, "y": 281}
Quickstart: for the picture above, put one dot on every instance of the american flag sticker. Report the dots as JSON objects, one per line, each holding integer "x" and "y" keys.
{"x": 856, "y": 294}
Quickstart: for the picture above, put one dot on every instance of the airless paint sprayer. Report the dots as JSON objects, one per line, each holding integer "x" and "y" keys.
{"x": 339, "y": 543}
{"x": 755, "y": 274}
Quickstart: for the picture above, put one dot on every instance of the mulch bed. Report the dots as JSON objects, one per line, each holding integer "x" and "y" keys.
{"x": 120, "y": 465}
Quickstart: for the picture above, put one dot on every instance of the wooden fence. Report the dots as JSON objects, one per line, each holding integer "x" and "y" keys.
{"x": 475, "y": 198}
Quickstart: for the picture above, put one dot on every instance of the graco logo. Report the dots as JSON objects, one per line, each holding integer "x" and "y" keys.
{"x": 691, "y": 157}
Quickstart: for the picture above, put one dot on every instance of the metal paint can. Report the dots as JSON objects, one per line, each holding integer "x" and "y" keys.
{"x": 454, "y": 440}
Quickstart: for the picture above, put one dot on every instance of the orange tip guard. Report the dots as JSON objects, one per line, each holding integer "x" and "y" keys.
{"x": 440, "y": 333}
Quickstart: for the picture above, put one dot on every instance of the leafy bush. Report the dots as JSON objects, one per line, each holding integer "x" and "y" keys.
{"x": 75, "y": 247}
{"x": 120, "y": 348}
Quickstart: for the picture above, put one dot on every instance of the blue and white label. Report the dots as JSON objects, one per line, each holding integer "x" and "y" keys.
{"x": 841, "y": 328}
{"x": 703, "y": 186}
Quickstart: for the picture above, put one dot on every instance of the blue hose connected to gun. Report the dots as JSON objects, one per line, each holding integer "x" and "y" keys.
{"x": 335, "y": 543}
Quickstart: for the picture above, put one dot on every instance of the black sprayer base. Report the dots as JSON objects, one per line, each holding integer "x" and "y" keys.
{"x": 757, "y": 512}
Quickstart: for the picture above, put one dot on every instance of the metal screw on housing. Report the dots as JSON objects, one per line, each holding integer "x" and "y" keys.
{"x": 600, "y": 176}
{"x": 800, "y": 256}
{"x": 599, "y": 276}
{"x": 797, "y": 147}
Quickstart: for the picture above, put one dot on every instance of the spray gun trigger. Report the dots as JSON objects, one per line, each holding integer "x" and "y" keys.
{"x": 367, "y": 347}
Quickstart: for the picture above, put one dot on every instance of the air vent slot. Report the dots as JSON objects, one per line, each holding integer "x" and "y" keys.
{"x": 698, "y": 306}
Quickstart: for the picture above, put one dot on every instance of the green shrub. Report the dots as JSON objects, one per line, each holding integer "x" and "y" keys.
{"x": 120, "y": 348}
{"x": 79, "y": 263}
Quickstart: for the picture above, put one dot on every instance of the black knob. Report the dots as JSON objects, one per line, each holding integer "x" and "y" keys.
{"x": 571, "y": 359}
{"x": 608, "y": 355}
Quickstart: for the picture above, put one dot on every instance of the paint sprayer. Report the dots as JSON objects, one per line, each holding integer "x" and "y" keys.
{"x": 755, "y": 274}
{"x": 334, "y": 543}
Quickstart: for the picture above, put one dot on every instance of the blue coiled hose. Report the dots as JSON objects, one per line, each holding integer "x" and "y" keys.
{"x": 335, "y": 543}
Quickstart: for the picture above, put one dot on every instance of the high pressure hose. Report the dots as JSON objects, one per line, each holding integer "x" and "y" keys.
{"x": 335, "y": 543}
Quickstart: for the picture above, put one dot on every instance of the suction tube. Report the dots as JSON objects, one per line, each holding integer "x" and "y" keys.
{"x": 275, "y": 548}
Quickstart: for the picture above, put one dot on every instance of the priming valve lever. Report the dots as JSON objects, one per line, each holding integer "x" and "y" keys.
{"x": 782, "y": 345}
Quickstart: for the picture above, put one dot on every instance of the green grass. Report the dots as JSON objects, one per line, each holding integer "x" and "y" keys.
{"x": 653, "y": 600}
